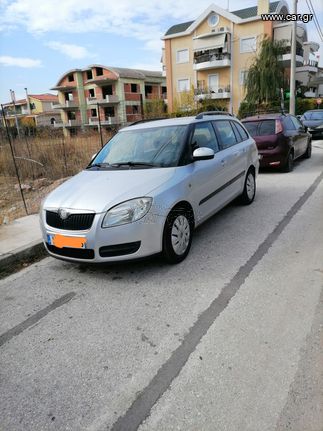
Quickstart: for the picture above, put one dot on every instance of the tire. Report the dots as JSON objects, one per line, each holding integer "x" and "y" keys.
{"x": 289, "y": 166}
{"x": 177, "y": 236}
{"x": 249, "y": 189}
{"x": 308, "y": 152}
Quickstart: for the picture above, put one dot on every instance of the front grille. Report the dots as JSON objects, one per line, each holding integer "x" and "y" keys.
{"x": 119, "y": 249}
{"x": 77, "y": 253}
{"x": 73, "y": 221}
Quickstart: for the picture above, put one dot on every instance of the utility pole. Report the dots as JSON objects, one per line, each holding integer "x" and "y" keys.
{"x": 13, "y": 99}
{"x": 28, "y": 103}
{"x": 293, "y": 63}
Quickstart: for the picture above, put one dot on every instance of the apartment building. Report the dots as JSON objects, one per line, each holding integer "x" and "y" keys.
{"x": 100, "y": 96}
{"x": 212, "y": 54}
{"x": 34, "y": 110}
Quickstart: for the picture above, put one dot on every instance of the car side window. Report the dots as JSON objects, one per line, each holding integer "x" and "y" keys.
{"x": 226, "y": 133}
{"x": 288, "y": 124}
{"x": 243, "y": 134}
{"x": 204, "y": 136}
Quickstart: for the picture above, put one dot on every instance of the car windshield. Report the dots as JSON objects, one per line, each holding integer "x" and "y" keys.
{"x": 153, "y": 147}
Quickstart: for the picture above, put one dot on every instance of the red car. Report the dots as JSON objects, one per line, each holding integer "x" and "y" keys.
{"x": 280, "y": 138}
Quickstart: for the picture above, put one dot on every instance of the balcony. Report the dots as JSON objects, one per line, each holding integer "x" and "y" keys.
{"x": 69, "y": 104}
{"x": 216, "y": 93}
{"x": 286, "y": 59}
{"x": 108, "y": 121}
{"x": 211, "y": 61}
{"x": 108, "y": 99}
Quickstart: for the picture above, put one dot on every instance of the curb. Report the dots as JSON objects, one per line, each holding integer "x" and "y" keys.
{"x": 9, "y": 261}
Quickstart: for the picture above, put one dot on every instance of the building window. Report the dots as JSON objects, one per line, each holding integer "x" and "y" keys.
{"x": 248, "y": 44}
{"x": 89, "y": 74}
{"x": 71, "y": 115}
{"x": 99, "y": 71}
{"x": 148, "y": 89}
{"x": 213, "y": 20}
{"x": 243, "y": 76}
{"x": 183, "y": 85}
{"x": 182, "y": 56}
{"x": 70, "y": 77}
{"x": 91, "y": 92}
{"x": 94, "y": 112}
{"x": 134, "y": 88}
{"x": 109, "y": 112}
{"x": 135, "y": 109}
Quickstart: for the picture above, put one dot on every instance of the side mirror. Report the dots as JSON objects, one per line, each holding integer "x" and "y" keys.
{"x": 203, "y": 153}
{"x": 299, "y": 116}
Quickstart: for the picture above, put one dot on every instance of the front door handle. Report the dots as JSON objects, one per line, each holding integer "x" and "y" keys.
{"x": 223, "y": 162}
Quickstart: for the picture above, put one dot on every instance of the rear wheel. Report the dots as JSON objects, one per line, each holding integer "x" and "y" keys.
{"x": 249, "y": 189}
{"x": 308, "y": 152}
{"x": 289, "y": 166}
{"x": 177, "y": 237}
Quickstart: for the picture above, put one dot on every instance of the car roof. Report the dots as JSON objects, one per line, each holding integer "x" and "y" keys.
{"x": 178, "y": 121}
{"x": 264, "y": 117}
{"x": 313, "y": 110}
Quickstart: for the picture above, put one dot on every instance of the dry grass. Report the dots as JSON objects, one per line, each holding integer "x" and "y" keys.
{"x": 42, "y": 164}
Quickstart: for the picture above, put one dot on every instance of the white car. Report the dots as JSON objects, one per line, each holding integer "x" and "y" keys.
{"x": 149, "y": 187}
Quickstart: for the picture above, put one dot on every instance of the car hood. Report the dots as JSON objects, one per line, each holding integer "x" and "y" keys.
{"x": 100, "y": 190}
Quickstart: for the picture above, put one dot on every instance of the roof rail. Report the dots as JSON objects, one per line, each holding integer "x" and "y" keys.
{"x": 201, "y": 115}
{"x": 146, "y": 120}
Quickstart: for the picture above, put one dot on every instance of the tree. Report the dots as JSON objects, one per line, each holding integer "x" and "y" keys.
{"x": 266, "y": 74}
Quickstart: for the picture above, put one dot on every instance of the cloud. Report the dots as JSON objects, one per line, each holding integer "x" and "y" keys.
{"x": 70, "y": 50}
{"x": 7, "y": 60}
{"x": 147, "y": 21}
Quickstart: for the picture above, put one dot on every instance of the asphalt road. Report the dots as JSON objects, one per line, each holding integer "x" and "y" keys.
{"x": 230, "y": 339}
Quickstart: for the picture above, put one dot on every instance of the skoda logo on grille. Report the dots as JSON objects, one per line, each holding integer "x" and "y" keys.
{"x": 63, "y": 214}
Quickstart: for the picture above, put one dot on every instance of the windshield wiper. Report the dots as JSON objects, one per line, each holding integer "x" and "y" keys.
{"x": 133, "y": 164}
{"x": 98, "y": 165}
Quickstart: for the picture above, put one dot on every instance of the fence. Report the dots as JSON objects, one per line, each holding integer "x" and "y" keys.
{"x": 32, "y": 166}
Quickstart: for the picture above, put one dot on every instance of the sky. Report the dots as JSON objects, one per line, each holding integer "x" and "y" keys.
{"x": 40, "y": 40}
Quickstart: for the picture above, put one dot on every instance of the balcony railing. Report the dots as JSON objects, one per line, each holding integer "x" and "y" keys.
{"x": 67, "y": 104}
{"x": 211, "y": 61}
{"x": 213, "y": 93}
{"x": 109, "y": 98}
{"x": 94, "y": 121}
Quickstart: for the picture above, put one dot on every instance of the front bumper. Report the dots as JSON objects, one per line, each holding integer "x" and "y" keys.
{"x": 130, "y": 241}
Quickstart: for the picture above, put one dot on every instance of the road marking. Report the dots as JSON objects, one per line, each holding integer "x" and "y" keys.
{"x": 141, "y": 407}
{"x": 16, "y": 330}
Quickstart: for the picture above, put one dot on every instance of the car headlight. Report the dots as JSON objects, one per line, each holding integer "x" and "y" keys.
{"x": 127, "y": 212}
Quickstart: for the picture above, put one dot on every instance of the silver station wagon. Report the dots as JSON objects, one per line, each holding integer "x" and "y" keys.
{"x": 149, "y": 187}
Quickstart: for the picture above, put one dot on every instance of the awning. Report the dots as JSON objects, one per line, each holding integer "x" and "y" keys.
{"x": 209, "y": 42}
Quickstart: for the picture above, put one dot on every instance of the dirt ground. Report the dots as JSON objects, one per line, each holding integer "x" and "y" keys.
{"x": 34, "y": 191}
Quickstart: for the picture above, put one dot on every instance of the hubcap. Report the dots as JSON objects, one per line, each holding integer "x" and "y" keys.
{"x": 250, "y": 186}
{"x": 181, "y": 233}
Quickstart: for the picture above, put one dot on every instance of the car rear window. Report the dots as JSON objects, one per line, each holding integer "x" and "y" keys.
{"x": 252, "y": 127}
{"x": 260, "y": 128}
{"x": 317, "y": 116}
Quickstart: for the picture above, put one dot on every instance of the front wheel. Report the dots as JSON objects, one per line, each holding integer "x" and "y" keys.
{"x": 177, "y": 237}
{"x": 249, "y": 189}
